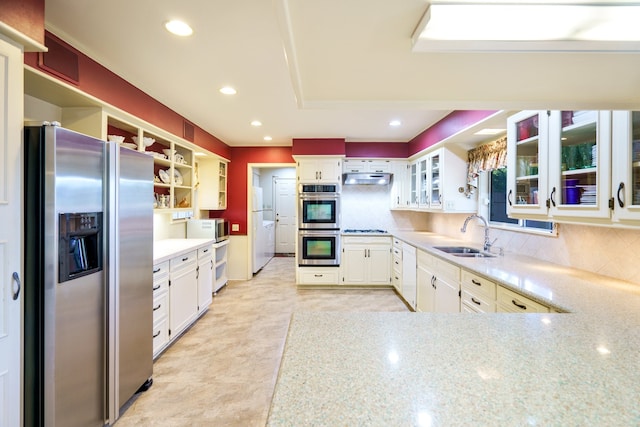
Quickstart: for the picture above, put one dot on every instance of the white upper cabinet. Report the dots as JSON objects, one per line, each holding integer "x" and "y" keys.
{"x": 436, "y": 182}
{"x": 579, "y": 164}
{"x": 559, "y": 165}
{"x": 626, "y": 171}
{"x": 527, "y": 165}
{"x": 320, "y": 170}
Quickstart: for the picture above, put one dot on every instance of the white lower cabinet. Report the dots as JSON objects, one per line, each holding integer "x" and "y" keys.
{"x": 160, "y": 307}
{"x": 512, "y": 302}
{"x": 478, "y": 293}
{"x": 205, "y": 278}
{"x": 409, "y": 274}
{"x": 183, "y": 291}
{"x": 318, "y": 275}
{"x": 438, "y": 287}
{"x": 396, "y": 265}
{"x": 366, "y": 260}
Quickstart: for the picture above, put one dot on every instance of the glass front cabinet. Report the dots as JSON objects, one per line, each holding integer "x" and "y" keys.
{"x": 625, "y": 183}
{"x": 527, "y": 166}
{"x": 579, "y": 164}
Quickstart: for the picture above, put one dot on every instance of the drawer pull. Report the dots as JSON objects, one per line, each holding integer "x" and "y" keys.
{"x": 157, "y": 308}
{"x": 475, "y": 301}
{"x": 520, "y": 306}
{"x": 155, "y": 288}
{"x": 397, "y": 278}
{"x": 156, "y": 335}
{"x": 475, "y": 282}
{"x": 205, "y": 251}
{"x": 318, "y": 275}
{"x": 185, "y": 258}
{"x": 155, "y": 270}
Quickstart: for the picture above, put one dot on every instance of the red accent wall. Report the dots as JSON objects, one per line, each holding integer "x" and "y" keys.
{"x": 449, "y": 125}
{"x": 236, "y": 212}
{"x": 98, "y": 81}
{"x": 382, "y": 150}
{"x": 26, "y": 16}
{"x": 318, "y": 147}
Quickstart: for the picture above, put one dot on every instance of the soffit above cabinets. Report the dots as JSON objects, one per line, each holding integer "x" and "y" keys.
{"x": 329, "y": 69}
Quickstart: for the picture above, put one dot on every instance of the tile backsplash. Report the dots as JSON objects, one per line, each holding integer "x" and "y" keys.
{"x": 367, "y": 207}
{"x": 608, "y": 251}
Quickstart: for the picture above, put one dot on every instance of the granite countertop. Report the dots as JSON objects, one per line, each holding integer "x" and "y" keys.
{"x": 578, "y": 368}
{"x": 164, "y": 250}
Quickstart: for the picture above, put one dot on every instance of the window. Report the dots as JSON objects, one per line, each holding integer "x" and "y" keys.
{"x": 496, "y": 206}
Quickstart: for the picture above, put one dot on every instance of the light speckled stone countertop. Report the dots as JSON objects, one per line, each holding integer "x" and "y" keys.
{"x": 164, "y": 250}
{"x": 391, "y": 369}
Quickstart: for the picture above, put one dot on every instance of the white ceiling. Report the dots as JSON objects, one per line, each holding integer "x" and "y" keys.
{"x": 324, "y": 68}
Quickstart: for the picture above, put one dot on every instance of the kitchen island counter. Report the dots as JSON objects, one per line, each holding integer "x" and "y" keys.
{"x": 577, "y": 368}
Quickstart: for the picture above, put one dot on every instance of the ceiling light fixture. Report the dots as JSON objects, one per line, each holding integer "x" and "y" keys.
{"x": 395, "y": 123}
{"x": 228, "y": 90}
{"x": 256, "y": 123}
{"x": 493, "y": 26}
{"x": 178, "y": 28}
{"x": 267, "y": 138}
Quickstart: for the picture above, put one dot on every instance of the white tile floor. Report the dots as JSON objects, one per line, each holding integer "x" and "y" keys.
{"x": 223, "y": 370}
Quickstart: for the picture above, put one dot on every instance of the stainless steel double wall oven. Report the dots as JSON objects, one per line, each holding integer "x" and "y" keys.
{"x": 319, "y": 225}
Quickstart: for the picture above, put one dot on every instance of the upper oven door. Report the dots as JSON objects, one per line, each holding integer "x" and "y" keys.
{"x": 319, "y": 212}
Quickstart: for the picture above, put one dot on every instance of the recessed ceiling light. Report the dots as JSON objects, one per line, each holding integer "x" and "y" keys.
{"x": 489, "y": 131}
{"x": 178, "y": 28}
{"x": 267, "y": 138}
{"x": 256, "y": 123}
{"x": 395, "y": 123}
{"x": 228, "y": 90}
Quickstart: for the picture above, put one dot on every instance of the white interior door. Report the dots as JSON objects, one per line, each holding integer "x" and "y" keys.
{"x": 11, "y": 113}
{"x": 285, "y": 208}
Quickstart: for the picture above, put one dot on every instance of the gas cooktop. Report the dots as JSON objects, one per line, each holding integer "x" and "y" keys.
{"x": 370, "y": 231}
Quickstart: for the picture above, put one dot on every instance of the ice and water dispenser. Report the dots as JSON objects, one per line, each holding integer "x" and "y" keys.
{"x": 80, "y": 244}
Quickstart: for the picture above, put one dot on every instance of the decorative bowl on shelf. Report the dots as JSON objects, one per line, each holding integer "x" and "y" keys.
{"x": 115, "y": 138}
{"x": 164, "y": 176}
{"x": 130, "y": 145}
{"x": 169, "y": 153}
{"x": 147, "y": 141}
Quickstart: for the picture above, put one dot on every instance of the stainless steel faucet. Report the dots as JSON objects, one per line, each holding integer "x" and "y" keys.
{"x": 487, "y": 241}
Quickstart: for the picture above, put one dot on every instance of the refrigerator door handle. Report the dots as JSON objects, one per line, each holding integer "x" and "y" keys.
{"x": 16, "y": 279}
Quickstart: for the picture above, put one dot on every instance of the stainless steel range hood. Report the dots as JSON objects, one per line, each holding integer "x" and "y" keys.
{"x": 366, "y": 178}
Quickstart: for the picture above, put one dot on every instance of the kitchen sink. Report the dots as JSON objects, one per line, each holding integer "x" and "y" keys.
{"x": 464, "y": 251}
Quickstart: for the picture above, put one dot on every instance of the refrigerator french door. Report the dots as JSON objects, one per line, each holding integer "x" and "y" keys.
{"x": 79, "y": 270}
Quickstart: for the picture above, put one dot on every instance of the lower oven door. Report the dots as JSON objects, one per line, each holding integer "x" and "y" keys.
{"x": 319, "y": 247}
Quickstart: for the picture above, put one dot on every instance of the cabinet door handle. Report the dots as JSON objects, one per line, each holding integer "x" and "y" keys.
{"x": 509, "y": 197}
{"x": 157, "y": 308}
{"x": 156, "y": 334}
{"x": 520, "y": 306}
{"x": 553, "y": 202}
{"x": 16, "y": 279}
{"x": 475, "y": 282}
{"x": 211, "y": 265}
{"x": 475, "y": 301}
{"x": 433, "y": 282}
{"x": 155, "y": 288}
{"x": 620, "y": 188}
{"x": 155, "y": 270}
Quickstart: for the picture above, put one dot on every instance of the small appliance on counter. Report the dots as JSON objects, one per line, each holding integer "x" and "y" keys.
{"x": 215, "y": 228}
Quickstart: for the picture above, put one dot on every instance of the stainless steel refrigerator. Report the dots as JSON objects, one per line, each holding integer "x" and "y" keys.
{"x": 88, "y": 277}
